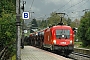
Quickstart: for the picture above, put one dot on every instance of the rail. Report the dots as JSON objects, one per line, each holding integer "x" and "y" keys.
{"x": 80, "y": 54}
{"x": 82, "y": 51}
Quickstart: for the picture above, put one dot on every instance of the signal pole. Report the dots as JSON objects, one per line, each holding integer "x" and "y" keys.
{"x": 22, "y": 38}
{"x": 18, "y": 23}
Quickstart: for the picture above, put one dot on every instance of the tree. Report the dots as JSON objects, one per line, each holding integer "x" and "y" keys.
{"x": 84, "y": 29}
{"x": 7, "y": 6}
{"x": 53, "y": 19}
{"x": 7, "y": 25}
{"x": 34, "y": 25}
{"x": 69, "y": 22}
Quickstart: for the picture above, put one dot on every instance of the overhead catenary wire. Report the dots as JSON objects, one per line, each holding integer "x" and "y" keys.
{"x": 31, "y": 4}
{"x": 78, "y": 11}
{"x": 59, "y": 8}
{"x": 73, "y": 5}
{"x": 75, "y": 10}
{"x": 63, "y": 5}
{"x": 69, "y": 7}
{"x": 82, "y": 5}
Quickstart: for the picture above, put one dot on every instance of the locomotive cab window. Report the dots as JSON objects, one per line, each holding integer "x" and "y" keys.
{"x": 62, "y": 33}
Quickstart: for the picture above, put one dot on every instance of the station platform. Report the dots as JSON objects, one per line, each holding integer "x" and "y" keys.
{"x": 33, "y": 53}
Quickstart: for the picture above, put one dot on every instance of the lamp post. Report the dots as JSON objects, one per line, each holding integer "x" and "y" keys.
{"x": 18, "y": 40}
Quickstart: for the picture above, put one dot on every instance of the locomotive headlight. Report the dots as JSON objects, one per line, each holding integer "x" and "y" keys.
{"x": 71, "y": 42}
{"x": 54, "y": 41}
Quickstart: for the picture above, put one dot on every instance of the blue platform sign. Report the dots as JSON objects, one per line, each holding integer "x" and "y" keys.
{"x": 25, "y": 15}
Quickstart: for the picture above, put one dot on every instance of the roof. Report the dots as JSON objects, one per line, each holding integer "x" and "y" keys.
{"x": 61, "y": 26}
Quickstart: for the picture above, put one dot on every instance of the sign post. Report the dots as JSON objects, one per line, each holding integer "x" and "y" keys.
{"x": 25, "y": 15}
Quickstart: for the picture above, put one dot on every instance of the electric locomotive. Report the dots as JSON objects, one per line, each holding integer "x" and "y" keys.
{"x": 59, "y": 38}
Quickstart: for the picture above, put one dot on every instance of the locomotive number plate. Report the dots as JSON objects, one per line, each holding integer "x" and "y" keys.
{"x": 62, "y": 42}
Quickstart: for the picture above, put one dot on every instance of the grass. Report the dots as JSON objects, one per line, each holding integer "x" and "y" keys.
{"x": 14, "y": 57}
{"x": 79, "y": 45}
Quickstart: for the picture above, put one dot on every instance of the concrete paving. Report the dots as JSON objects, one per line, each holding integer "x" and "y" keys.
{"x": 33, "y": 53}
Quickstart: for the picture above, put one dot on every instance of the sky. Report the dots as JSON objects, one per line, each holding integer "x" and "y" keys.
{"x": 43, "y": 8}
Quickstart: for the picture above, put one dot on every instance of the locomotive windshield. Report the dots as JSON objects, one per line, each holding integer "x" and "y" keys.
{"x": 62, "y": 34}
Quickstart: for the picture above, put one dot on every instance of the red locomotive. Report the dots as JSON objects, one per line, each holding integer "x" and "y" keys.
{"x": 56, "y": 38}
{"x": 59, "y": 38}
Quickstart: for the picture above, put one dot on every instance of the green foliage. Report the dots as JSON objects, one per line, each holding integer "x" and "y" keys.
{"x": 53, "y": 19}
{"x": 77, "y": 44}
{"x": 7, "y": 6}
{"x": 34, "y": 25}
{"x": 7, "y": 29}
{"x": 84, "y": 29}
{"x": 8, "y": 25}
{"x": 69, "y": 22}
{"x": 43, "y": 24}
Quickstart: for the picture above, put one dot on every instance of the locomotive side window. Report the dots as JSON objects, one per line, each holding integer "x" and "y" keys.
{"x": 62, "y": 33}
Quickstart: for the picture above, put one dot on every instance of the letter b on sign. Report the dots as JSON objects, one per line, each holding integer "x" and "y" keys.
{"x": 25, "y": 15}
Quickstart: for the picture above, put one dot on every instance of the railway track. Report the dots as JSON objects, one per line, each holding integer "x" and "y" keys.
{"x": 78, "y": 54}
{"x": 82, "y": 50}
